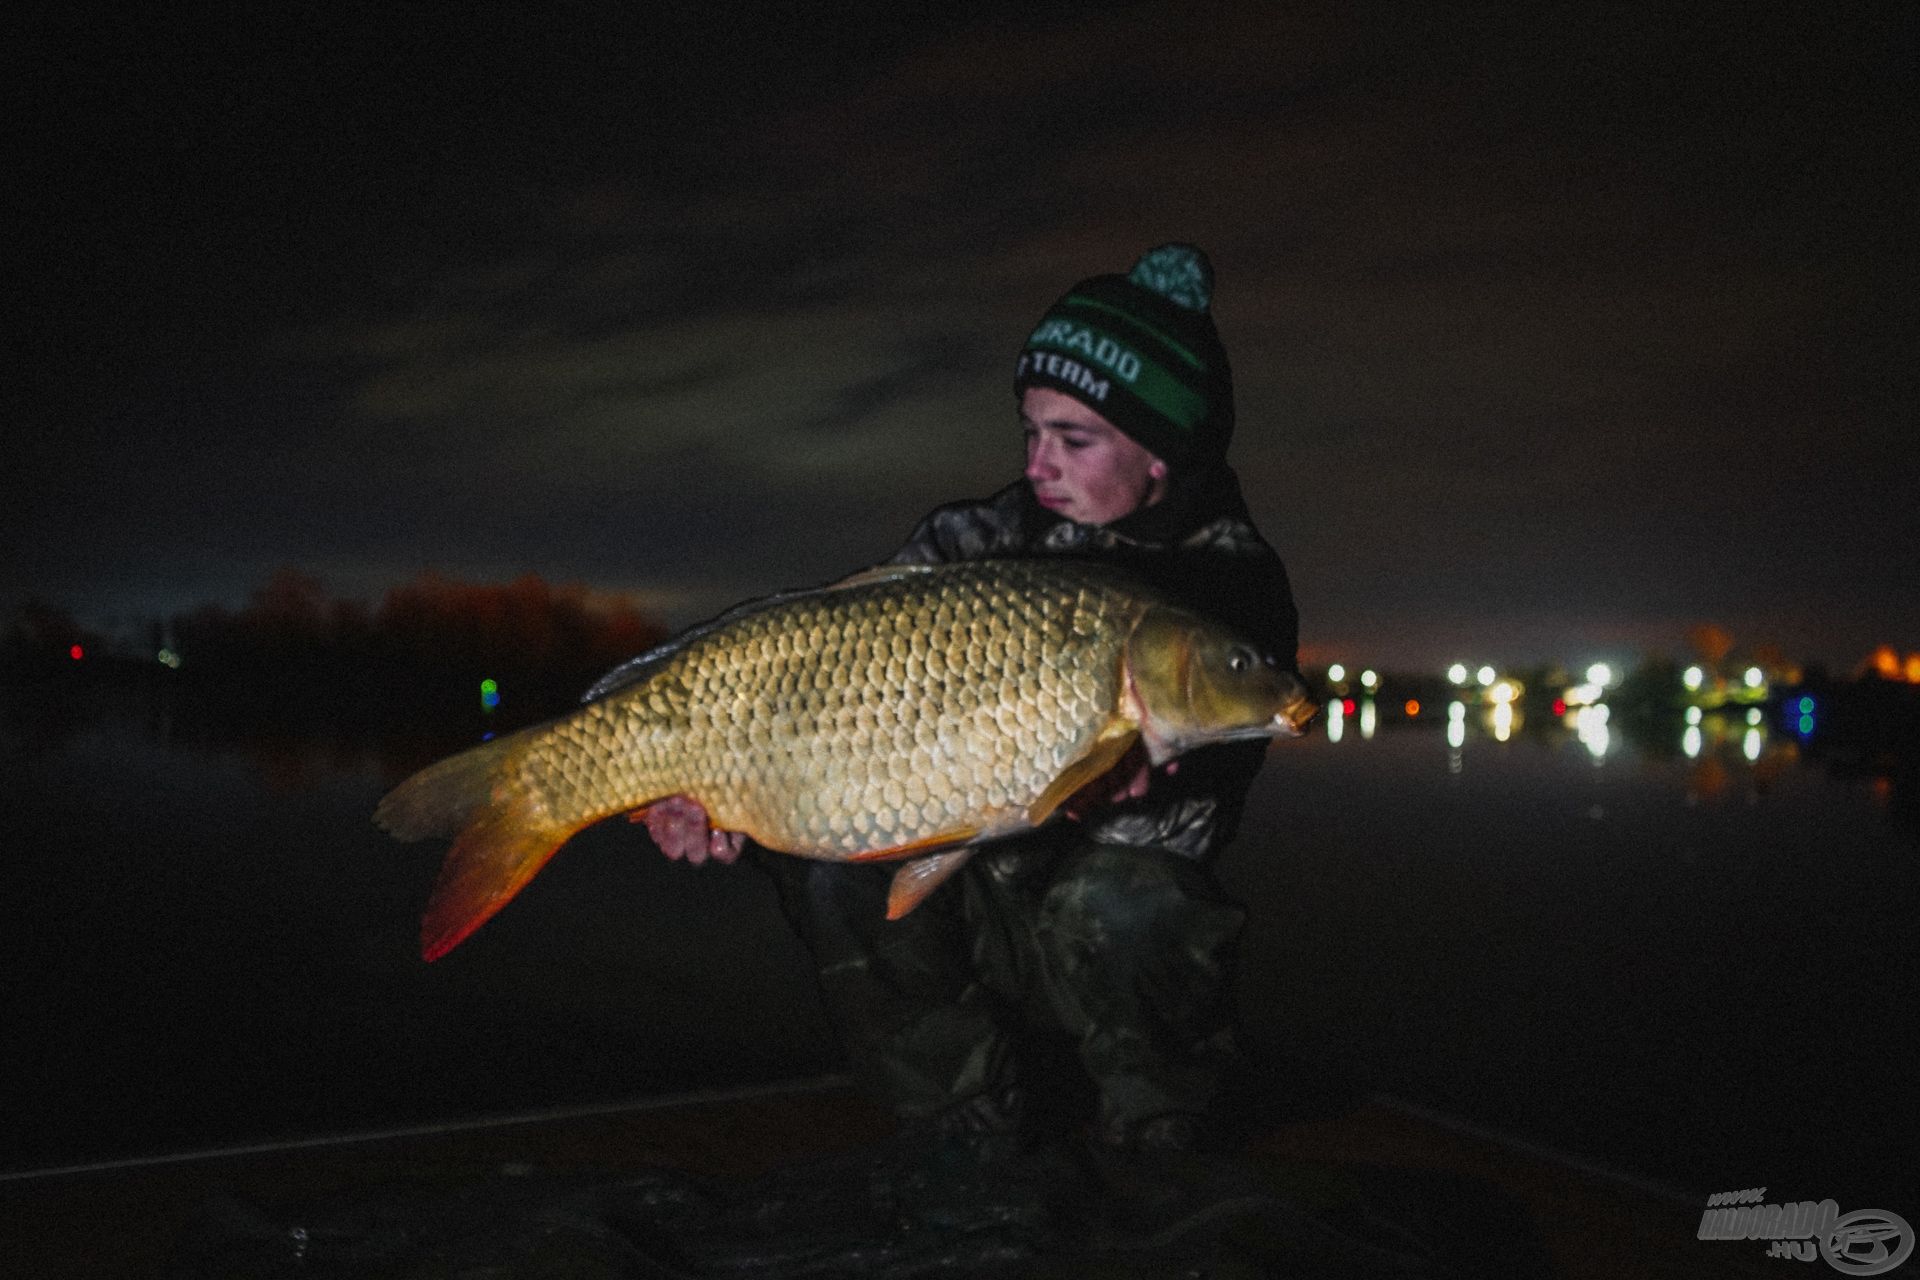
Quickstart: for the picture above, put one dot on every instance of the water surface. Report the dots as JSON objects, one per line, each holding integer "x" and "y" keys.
{"x": 1686, "y": 957}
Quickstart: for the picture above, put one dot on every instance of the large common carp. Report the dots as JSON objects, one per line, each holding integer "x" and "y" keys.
{"x": 910, "y": 713}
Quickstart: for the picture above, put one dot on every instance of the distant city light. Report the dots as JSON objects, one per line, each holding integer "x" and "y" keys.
{"x": 1413, "y": 708}
{"x": 1504, "y": 692}
{"x": 1601, "y": 674}
{"x": 1580, "y": 695}
{"x": 1347, "y": 705}
{"x": 1503, "y": 721}
{"x": 1806, "y": 725}
{"x": 1457, "y": 673}
{"x": 168, "y": 658}
{"x": 1336, "y": 672}
{"x": 1693, "y": 678}
{"x": 1369, "y": 678}
{"x": 1486, "y": 676}
{"x": 1690, "y": 742}
{"x": 1693, "y": 715}
{"x": 1754, "y": 678}
{"x": 1456, "y": 727}
{"x": 1336, "y": 720}
{"x": 1806, "y": 705}
{"x": 1753, "y": 716}
{"x": 489, "y": 694}
{"x": 1369, "y": 718}
{"x": 1750, "y": 745}
{"x": 76, "y": 653}
{"x": 1888, "y": 665}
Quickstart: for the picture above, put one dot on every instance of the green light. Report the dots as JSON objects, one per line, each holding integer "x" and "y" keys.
{"x": 489, "y": 695}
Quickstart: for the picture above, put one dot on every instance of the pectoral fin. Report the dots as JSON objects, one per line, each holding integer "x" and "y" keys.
{"x": 1108, "y": 746}
{"x": 914, "y": 881}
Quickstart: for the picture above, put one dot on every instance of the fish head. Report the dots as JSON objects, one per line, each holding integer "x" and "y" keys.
{"x": 1193, "y": 682}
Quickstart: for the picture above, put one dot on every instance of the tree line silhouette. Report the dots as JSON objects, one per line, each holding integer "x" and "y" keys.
{"x": 426, "y": 640}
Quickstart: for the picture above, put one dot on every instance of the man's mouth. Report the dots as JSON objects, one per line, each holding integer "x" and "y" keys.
{"x": 1053, "y": 502}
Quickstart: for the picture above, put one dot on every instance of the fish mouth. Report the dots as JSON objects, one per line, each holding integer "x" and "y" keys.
{"x": 1291, "y": 720}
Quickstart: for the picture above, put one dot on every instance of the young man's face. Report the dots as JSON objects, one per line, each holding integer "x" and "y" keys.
{"x": 1080, "y": 465}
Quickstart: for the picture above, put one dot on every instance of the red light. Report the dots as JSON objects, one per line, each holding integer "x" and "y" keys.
{"x": 1559, "y": 706}
{"x": 1413, "y": 708}
{"x": 76, "y": 653}
{"x": 1346, "y": 705}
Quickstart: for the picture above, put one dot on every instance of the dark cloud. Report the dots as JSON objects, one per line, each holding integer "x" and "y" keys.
{"x": 1550, "y": 323}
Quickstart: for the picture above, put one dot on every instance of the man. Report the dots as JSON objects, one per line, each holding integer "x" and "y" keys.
{"x": 1108, "y": 929}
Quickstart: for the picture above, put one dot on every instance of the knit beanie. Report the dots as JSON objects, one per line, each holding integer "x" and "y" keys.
{"x": 1141, "y": 350}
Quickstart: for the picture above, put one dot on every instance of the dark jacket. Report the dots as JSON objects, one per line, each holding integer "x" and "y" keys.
{"x": 1199, "y": 546}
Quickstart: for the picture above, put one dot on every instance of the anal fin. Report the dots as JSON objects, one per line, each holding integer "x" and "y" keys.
{"x": 920, "y": 877}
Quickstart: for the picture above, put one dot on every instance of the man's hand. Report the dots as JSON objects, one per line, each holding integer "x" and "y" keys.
{"x": 1127, "y": 780}
{"x": 678, "y": 824}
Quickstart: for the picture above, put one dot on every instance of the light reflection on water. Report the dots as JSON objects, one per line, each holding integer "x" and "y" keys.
{"x": 1724, "y": 745}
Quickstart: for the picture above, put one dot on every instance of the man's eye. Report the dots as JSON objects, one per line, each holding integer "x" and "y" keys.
{"x": 1074, "y": 442}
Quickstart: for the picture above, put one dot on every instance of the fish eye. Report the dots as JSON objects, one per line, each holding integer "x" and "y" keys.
{"x": 1239, "y": 660}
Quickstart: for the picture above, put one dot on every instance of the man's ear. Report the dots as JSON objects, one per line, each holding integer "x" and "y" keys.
{"x": 1157, "y": 469}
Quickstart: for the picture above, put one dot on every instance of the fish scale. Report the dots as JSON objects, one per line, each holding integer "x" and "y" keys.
{"x": 832, "y": 689}
{"x": 910, "y": 710}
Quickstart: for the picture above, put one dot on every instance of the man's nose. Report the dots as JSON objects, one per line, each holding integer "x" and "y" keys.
{"x": 1039, "y": 464}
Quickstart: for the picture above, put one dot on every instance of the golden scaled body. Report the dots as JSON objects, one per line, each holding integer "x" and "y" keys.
{"x": 864, "y": 719}
{"x": 908, "y": 713}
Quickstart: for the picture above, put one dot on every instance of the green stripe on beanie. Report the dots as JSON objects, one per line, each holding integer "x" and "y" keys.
{"x": 1142, "y": 351}
{"x": 1094, "y": 304}
{"x": 1182, "y": 406}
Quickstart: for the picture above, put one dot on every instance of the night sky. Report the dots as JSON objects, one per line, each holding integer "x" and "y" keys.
{"x": 1557, "y": 328}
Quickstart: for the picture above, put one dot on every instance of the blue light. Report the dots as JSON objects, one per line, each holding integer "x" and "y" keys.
{"x": 489, "y": 694}
{"x": 1806, "y": 706}
{"x": 1806, "y": 725}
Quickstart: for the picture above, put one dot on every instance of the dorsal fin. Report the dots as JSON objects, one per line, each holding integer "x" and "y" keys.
{"x": 636, "y": 669}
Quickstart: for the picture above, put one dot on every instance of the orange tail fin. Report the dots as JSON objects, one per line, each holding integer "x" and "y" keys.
{"x": 500, "y": 842}
{"x": 490, "y": 862}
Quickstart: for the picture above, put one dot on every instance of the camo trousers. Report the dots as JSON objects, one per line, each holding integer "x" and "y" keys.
{"x": 1125, "y": 953}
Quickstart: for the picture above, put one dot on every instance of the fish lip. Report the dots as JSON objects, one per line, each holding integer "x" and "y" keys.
{"x": 1296, "y": 715}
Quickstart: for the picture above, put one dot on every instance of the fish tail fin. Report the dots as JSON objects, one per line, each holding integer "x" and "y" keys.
{"x": 491, "y": 861}
{"x": 502, "y": 837}
{"x": 445, "y": 796}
